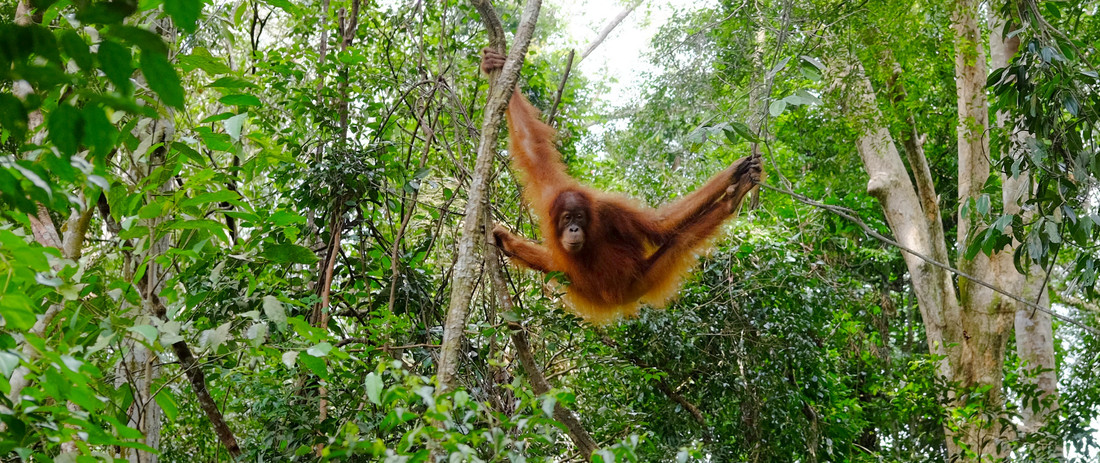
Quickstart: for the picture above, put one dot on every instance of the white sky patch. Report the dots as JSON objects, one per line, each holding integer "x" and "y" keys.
{"x": 620, "y": 61}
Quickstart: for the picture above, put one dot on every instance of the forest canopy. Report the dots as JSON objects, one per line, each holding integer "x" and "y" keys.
{"x": 262, "y": 231}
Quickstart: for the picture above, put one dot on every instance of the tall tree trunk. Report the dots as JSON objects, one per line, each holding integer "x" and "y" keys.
{"x": 1034, "y": 330}
{"x": 889, "y": 183}
{"x": 140, "y": 366}
{"x": 967, "y": 326}
{"x": 987, "y": 315}
{"x": 347, "y": 32}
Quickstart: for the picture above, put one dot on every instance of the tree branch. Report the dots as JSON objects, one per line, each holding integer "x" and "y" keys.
{"x": 72, "y": 243}
{"x": 206, "y": 402}
{"x": 852, "y": 217}
{"x": 608, "y": 28}
{"x": 465, "y": 273}
{"x": 195, "y": 375}
{"x": 43, "y": 229}
{"x": 665, "y": 388}
{"x": 584, "y": 442}
{"x": 561, "y": 88}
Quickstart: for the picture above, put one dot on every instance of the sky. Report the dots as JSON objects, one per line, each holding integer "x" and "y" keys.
{"x": 620, "y": 61}
{"x": 621, "y": 57}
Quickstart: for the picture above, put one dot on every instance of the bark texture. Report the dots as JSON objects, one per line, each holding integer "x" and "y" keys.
{"x": 967, "y": 323}
{"x": 466, "y": 264}
{"x": 889, "y": 183}
{"x": 987, "y": 316}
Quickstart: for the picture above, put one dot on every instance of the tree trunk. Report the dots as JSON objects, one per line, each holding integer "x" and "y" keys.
{"x": 466, "y": 268}
{"x": 889, "y": 183}
{"x": 139, "y": 366}
{"x": 1034, "y": 330}
{"x": 967, "y": 326}
{"x": 986, "y": 315}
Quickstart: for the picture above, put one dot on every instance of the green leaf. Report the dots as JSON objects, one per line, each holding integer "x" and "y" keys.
{"x": 162, "y": 78}
{"x": 150, "y": 210}
{"x": 201, "y": 59}
{"x": 794, "y": 100}
{"x": 218, "y": 117}
{"x": 427, "y": 394}
{"x": 813, "y": 61}
{"x": 461, "y": 398}
{"x": 66, "y": 129}
{"x": 13, "y": 116}
{"x": 240, "y": 100}
{"x": 211, "y": 197}
{"x": 46, "y": 279}
{"x": 117, "y": 64}
{"x": 201, "y": 224}
{"x": 234, "y": 125}
{"x": 995, "y": 77}
{"x": 777, "y": 107}
{"x": 374, "y": 388}
{"x": 144, "y": 39}
{"x": 275, "y": 311}
{"x": 974, "y": 247}
{"x": 77, "y": 49}
{"x": 314, "y": 364}
{"x": 216, "y": 337}
{"x": 42, "y": 42}
{"x": 697, "y": 136}
{"x": 18, "y": 312}
{"x": 810, "y": 73}
{"x": 320, "y": 350}
{"x": 230, "y": 83}
{"x": 1051, "y": 231}
{"x": 35, "y": 180}
{"x": 808, "y": 98}
{"x": 1071, "y": 105}
{"x": 284, "y": 5}
{"x": 1002, "y": 222}
{"x": 744, "y": 131}
{"x": 284, "y": 218}
{"x": 730, "y": 134}
{"x": 147, "y": 331}
{"x": 105, "y": 12}
{"x": 184, "y": 13}
{"x": 8, "y": 362}
{"x": 983, "y": 204}
{"x": 170, "y": 333}
{"x": 257, "y": 334}
{"x": 167, "y": 403}
{"x": 288, "y": 254}
{"x": 85, "y": 398}
{"x": 188, "y": 152}
{"x": 99, "y": 133}
{"x": 779, "y": 67}
{"x": 289, "y": 358}
{"x": 215, "y": 141}
{"x": 135, "y": 232}
{"x": 548, "y": 402}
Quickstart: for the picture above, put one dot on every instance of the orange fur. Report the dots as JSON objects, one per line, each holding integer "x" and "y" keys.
{"x": 632, "y": 254}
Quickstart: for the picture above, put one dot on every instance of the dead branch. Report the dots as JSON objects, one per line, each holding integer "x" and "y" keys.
{"x": 608, "y": 28}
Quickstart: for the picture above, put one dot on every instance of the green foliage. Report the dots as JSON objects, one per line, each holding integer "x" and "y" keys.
{"x": 1050, "y": 89}
{"x": 299, "y": 216}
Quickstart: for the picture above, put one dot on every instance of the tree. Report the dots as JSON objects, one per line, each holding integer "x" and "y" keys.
{"x": 230, "y": 230}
